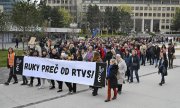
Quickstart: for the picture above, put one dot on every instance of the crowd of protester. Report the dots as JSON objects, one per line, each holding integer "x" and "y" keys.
{"x": 124, "y": 57}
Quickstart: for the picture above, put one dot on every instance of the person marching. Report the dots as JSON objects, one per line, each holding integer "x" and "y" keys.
{"x": 163, "y": 64}
{"x": 112, "y": 79}
{"x": 96, "y": 58}
{"x": 10, "y": 65}
{"x": 134, "y": 66}
{"x": 44, "y": 55}
{"x": 121, "y": 72}
{"x": 25, "y": 81}
{"x": 35, "y": 54}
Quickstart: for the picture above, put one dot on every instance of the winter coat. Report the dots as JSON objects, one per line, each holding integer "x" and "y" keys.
{"x": 121, "y": 71}
{"x": 112, "y": 77}
{"x": 163, "y": 63}
{"x": 134, "y": 62}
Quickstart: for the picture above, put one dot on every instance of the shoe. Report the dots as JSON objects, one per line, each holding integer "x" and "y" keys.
{"x": 15, "y": 82}
{"x": 114, "y": 98}
{"x": 6, "y": 83}
{"x": 38, "y": 85}
{"x": 107, "y": 100}
{"x": 160, "y": 84}
{"x": 60, "y": 90}
{"x": 131, "y": 82}
{"x": 23, "y": 84}
{"x": 30, "y": 85}
{"x": 53, "y": 87}
{"x": 94, "y": 94}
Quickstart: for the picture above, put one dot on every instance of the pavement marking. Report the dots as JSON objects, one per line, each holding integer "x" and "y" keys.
{"x": 65, "y": 95}
{"x": 50, "y": 99}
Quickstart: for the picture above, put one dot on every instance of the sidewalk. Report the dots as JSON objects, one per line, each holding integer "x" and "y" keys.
{"x": 146, "y": 94}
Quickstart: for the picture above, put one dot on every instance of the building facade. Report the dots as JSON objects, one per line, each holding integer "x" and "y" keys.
{"x": 73, "y": 6}
{"x": 7, "y": 5}
{"x": 148, "y": 15}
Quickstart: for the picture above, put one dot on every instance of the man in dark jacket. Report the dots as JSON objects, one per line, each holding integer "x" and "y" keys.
{"x": 171, "y": 52}
{"x": 134, "y": 66}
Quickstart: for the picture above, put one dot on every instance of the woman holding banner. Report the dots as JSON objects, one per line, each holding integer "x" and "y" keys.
{"x": 10, "y": 65}
{"x": 35, "y": 54}
{"x": 112, "y": 79}
{"x": 96, "y": 58}
{"x": 44, "y": 55}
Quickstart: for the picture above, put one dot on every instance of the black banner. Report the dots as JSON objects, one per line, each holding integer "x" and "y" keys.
{"x": 100, "y": 76}
{"x": 18, "y": 65}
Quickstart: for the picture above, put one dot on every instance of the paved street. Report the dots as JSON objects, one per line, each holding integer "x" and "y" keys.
{"x": 146, "y": 94}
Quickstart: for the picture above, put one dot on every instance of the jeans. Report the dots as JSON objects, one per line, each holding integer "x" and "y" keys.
{"x": 162, "y": 79}
{"x": 170, "y": 62}
{"x": 12, "y": 75}
{"x": 136, "y": 73}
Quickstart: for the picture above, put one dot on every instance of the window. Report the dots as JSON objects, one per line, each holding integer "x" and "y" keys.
{"x": 150, "y": 8}
{"x": 162, "y": 27}
{"x": 163, "y": 8}
{"x": 159, "y": 14}
{"x": 167, "y": 21}
{"x": 163, "y": 15}
{"x": 54, "y": 1}
{"x": 159, "y": 8}
{"x": 66, "y": 2}
{"x": 58, "y": 1}
{"x": 172, "y": 15}
{"x": 141, "y": 8}
{"x": 137, "y": 8}
{"x": 145, "y": 14}
{"x": 154, "y": 8}
{"x": 136, "y": 14}
{"x": 168, "y": 8}
{"x": 141, "y": 14}
{"x": 163, "y": 21}
{"x": 49, "y": 1}
{"x": 132, "y": 8}
{"x": 150, "y": 14}
{"x": 167, "y": 27}
{"x": 154, "y": 14}
{"x": 167, "y": 15}
{"x": 145, "y": 8}
{"x": 172, "y": 8}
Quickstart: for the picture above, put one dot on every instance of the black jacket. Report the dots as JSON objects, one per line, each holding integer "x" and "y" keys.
{"x": 162, "y": 64}
{"x": 134, "y": 62}
{"x": 113, "y": 76}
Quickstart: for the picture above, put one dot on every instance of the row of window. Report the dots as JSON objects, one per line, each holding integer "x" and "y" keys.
{"x": 60, "y": 1}
{"x": 154, "y": 8}
{"x": 102, "y": 8}
{"x": 165, "y": 27}
{"x": 155, "y": 14}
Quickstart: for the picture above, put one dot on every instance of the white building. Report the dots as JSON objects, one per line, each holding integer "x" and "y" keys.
{"x": 71, "y": 5}
{"x": 148, "y": 15}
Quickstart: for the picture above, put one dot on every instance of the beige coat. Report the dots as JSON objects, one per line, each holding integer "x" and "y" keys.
{"x": 121, "y": 71}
